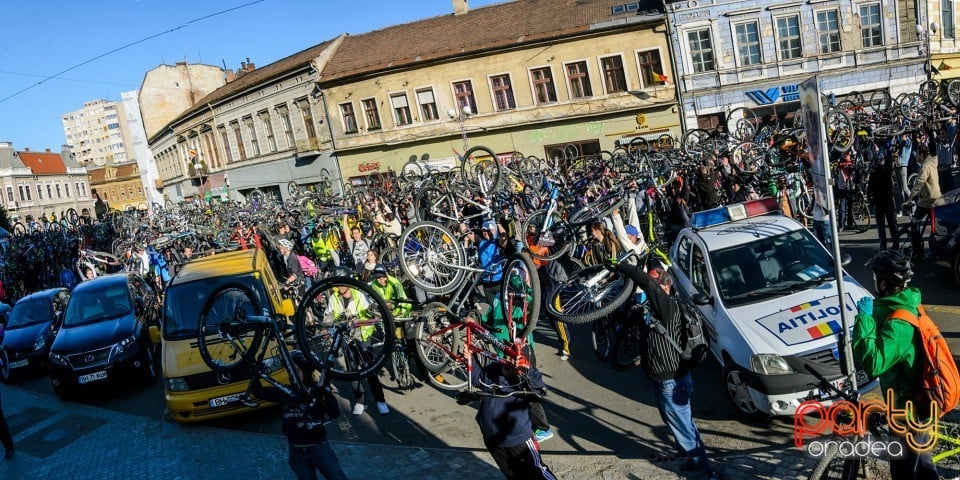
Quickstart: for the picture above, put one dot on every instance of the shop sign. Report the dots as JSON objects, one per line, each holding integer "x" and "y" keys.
{"x": 784, "y": 93}
{"x": 366, "y": 167}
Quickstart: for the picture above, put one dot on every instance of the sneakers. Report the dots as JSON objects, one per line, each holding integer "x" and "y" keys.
{"x": 359, "y": 408}
{"x": 543, "y": 435}
{"x": 383, "y": 408}
{"x": 564, "y": 356}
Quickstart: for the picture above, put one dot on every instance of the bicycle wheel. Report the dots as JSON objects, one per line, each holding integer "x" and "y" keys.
{"x": 946, "y": 454}
{"x": 589, "y": 294}
{"x": 480, "y": 170}
{"x": 432, "y": 347}
{"x": 861, "y": 216}
{"x": 72, "y": 217}
{"x": 520, "y": 295}
{"x": 547, "y": 243}
{"x": 225, "y": 340}
{"x": 432, "y": 257}
{"x": 840, "y": 132}
{"x": 599, "y": 208}
{"x": 343, "y": 326}
{"x": 530, "y": 172}
{"x": 401, "y": 370}
{"x": 390, "y": 259}
{"x": 627, "y": 349}
{"x": 601, "y": 337}
{"x": 293, "y": 189}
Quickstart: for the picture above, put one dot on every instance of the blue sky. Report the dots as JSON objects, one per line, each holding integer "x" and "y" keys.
{"x": 43, "y": 37}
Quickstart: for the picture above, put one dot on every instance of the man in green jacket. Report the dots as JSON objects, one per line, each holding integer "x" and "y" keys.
{"x": 891, "y": 349}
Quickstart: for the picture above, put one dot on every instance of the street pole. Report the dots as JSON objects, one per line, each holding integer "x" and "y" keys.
{"x": 461, "y": 117}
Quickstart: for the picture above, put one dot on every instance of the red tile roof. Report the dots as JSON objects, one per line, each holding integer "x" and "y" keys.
{"x": 494, "y": 26}
{"x": 96, "y": 174}
{"x": 41, "y": 163}
{"x": 126, "y": 171}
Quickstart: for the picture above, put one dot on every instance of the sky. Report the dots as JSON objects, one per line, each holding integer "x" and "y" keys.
{"x": 42, "y": 38}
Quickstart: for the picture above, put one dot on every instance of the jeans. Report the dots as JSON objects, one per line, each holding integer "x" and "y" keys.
{"x": 902, "y": 173}
{"x": 886, "y": 217}
{"x": 673, "y": 401}
{"x": 913, "y": 465}
{"x": 306, "y": 461}
{"x": 821, "y": 228}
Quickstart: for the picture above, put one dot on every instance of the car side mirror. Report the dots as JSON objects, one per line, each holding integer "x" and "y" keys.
{"x": 701, "y": 299}
{"x": 154, "y": 332}
{"x": 286, "y": 308}
{"x": 845, "y": 259}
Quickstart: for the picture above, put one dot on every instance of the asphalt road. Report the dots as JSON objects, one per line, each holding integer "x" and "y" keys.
{"x": 596, "y": 411}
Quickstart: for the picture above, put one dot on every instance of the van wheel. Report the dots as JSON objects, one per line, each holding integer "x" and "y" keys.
{"x": 738, "y": 392}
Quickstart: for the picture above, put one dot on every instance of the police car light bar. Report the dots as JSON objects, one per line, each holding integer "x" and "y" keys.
{"x": 732, "y": 213}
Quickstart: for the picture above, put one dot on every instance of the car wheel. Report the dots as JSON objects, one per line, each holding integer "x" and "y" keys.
{"x": 956, "y": 267}
{"x": 738, "y": 392}
{"x": 5, "y": 371}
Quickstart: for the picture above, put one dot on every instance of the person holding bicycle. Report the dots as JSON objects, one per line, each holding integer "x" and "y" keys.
{"x": 303, "y": 419}
{"x": 891, "y": 349}
{"x": 927, "y": 193}
{"x": 295, "y": 275}
{"x": 391, "y": 289}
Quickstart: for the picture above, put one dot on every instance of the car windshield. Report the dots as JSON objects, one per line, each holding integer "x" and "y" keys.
{"x": 184, "y": 302}
{"x": 89, "y": 306}
{"x": 30, "y": 312}
{"x": 771, "y": 266}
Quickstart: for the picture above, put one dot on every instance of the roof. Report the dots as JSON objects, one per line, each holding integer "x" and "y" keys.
{"x": 102, "y": 281}
{"x": 42, "y": 163}
{"x": 97, "y": 175}
{"x": 495, "y": 26}
{"x": 221, "y": 264}
{"x": 745, "y": 231}
{"x": 126, "y": 170}
{"x": 42, "y": 294}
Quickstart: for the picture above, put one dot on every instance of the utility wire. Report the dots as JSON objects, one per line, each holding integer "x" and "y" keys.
{"x": 151, "y": 37}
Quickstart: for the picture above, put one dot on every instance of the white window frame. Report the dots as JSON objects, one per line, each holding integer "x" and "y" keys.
{"x": 493, "y": 98}
{"x": 816, "y": 26}
{"x": 736, "y": 42}
{"x": 879, "y": 6}
{"x": 569, "y": 85}
{"x": 688, "y": 56}
{"x": 343, "y": 118}
{"x": 393, "y": 110}
{"x": 436, "y": 103}
{"x": 603, "y": 77}
{"x": 776, "y": 33}
{"x": 636, "y": 58}
{"x": 553, "y": 80}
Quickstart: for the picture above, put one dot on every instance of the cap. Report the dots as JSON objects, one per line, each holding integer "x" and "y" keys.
{"x": 632, "y": 230}
{"x": 286, "y": 244}
{"x": 379, "y": 271}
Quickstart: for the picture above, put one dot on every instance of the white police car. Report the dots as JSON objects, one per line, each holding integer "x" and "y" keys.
{"x": 767, "y": 293}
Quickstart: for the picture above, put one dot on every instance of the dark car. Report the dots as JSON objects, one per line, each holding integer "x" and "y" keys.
{"x": 31, "y": 326}
{"x": 944, "y": 241}
{"x": 109, "y": 330}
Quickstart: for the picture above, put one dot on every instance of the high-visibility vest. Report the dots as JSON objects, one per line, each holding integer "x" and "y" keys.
{"x": 358, "y": 306}
{"x": 393, "y": 290}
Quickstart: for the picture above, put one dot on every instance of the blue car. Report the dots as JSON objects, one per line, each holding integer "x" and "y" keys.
{"x": 31, "y": 326}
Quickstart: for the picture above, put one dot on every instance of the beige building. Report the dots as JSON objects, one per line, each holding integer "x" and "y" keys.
{"x": 119, "y": 186}
{"x": 97, "y": 133}
{"x": 41, "y": 183}
{"x": 169, "y": 90}
{"x": 534, "y": 74}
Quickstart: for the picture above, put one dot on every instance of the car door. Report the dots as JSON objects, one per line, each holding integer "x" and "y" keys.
{"x": 60, "y": 300}
{"x": 692, "y": 273}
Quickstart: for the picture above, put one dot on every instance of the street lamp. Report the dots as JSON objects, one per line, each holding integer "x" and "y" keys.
{"x": 465, "y": 112}
{"x": 927, "y": 35}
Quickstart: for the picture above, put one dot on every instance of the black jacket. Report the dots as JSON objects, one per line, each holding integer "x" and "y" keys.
{"x": 505, "y": 422}
{"x": 658, "y": 357}
{"x": 302, "y": 419}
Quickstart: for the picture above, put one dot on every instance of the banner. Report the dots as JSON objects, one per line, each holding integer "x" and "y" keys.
{"x": 812, "y": 114}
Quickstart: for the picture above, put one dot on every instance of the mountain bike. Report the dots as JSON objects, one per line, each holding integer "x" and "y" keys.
{"x": 946, "y": 453}
{"x": 345, "y": 340}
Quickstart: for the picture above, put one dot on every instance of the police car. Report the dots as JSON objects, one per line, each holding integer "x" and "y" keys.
{"x": 767, "y": 294}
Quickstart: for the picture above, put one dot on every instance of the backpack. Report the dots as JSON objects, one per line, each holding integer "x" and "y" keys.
{"x": 939, "y": 380}
{"x": 309, "y": 268}
{"x": 694, "y": 344}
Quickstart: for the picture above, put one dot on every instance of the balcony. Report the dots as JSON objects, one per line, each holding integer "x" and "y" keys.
{"x": 308, "y": 146}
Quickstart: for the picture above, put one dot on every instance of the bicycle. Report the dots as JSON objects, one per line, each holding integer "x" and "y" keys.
{"x": 343, "y": 343}
{"x": 946, "y": 453}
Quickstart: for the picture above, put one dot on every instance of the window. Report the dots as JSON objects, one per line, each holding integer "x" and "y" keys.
{"x": 683, "y": 255}
{"x": 428, "y": 104}
{"x": 66, "y": 188}
{"x": 49, "y": 191}
{"x": 613, "y": 77}
{"x": 699, "y": 274}
{"x": 287, "y": 126}
{"x": 226, "y": 142}
{"x": 238, "y": 134}
{"x": 788, "y": 32}
{"x": 268, "y": 129}
{"x": 828, "y": 31}
{"x": 10, "y": 194}
{"x": 464, "y": 94}
{"x": 502, "y": 92}
{"x": 29, "y": 197}
{"x": 349, "y": 118}
{"x": 871, "y": 32}
{"x": 543, "y": 89}
{"x": 401, "y": 109}
{"x": 39, "y": 192}
{"x": 130, "y": 192}
{"x": 371, "y": 114}
{"x": 748, "y": 44}
{"x": 651, "y": 68}
{"x": 579, "y": 79}
{"x": 701, "y": 50}
{"x": 307, "y": 115}
{"x": 59, "y": 192}
{"x": 947, "y": 23}
{"x": 252, "y": 132}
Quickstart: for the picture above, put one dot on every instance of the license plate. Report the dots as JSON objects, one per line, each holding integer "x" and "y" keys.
{"x": 19, "y": 363}
{"x": 862, "y": 378}
{"x": 93, "y": 377}
{"x": 221, "y": 401}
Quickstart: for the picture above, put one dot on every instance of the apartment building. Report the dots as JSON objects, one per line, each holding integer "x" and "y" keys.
{"x": 97, "y": 133}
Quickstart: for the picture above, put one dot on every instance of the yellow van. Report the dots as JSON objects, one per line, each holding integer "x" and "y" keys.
{"x": 194, "y": 392}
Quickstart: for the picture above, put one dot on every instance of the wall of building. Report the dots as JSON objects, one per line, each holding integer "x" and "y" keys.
{"x": 169, "y": 90}
{"x": 140, "y": 149}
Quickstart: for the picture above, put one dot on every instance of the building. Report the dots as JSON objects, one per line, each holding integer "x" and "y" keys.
{"x": 97, "y": 133}
{"x": 535, "y": 74}
{"x": 41, "y": 183}
{"x": 753, "y": 53}
{"x": 140, "y": 149}
{"x": 262, "y": 130}
{"x": 938, "y": 27}
{"x": 169, "y": 90}
{"x": 119, "y": 185}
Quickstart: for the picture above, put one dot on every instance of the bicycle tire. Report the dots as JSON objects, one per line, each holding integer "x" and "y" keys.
{"x": 861, "y": 216}
{"x": 823, "y": 465}
{"x": 72, "y": 217}
{"x": 557, "y": 238}
{"x": 364, "y": 347}
{"x": 600, "y": 337}
{"x": 948, "y": 426}
{"x": 481, "y": 173}
{"x": 520, "y": 288}
{"x": 220, "y": 316}
{"x": 626, "y": 349}
{"x": 390, "y": 259}
{"x": 432, "y": 199}
{"x": 433, "y": 318}
{"x": 401, "y": 370}
{"x": 599, "y": 208}
{"x": 589, "y": 294}
{"x": 531, "y": 172}
{"x": 431, "y": 245}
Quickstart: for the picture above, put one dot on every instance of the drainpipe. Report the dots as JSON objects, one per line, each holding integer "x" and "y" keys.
{"x": 671, "y": 36}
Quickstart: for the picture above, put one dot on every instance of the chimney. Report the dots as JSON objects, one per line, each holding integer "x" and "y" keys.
{"x": 48, "y": 151}
{"x": 26, "y": 150}
{"x": 460, "y": 7}
{"x": 248, "y": 66}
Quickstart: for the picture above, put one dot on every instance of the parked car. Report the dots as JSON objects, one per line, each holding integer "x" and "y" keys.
{"x": 30, "y": 328}
{"x": 111, "y": 328}
{"x": 944, "y": 244}
{"x": 4, "y": 312}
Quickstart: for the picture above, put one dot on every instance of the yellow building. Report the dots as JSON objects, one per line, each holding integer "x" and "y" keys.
{"x": 118, "y": 185}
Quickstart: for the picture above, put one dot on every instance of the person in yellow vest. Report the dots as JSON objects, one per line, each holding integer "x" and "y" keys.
{"x": 350, "y": 302}
{"x": 327, "y": 257}
{"x": 391, "y": 289}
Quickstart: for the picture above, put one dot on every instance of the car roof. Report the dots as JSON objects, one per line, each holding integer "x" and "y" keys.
{"x": 718, "y": 237}
{"x": 221, "y": 264}
{"x": 101, "y": 282}
{"x": 41, "y": 294}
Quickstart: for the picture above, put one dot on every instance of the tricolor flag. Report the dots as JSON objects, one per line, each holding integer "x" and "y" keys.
{"x": 824, "y": 329}
{"x": 661, "y": 77}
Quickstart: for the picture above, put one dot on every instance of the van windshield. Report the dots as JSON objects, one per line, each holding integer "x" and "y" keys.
{"x": 184, "y": 303}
